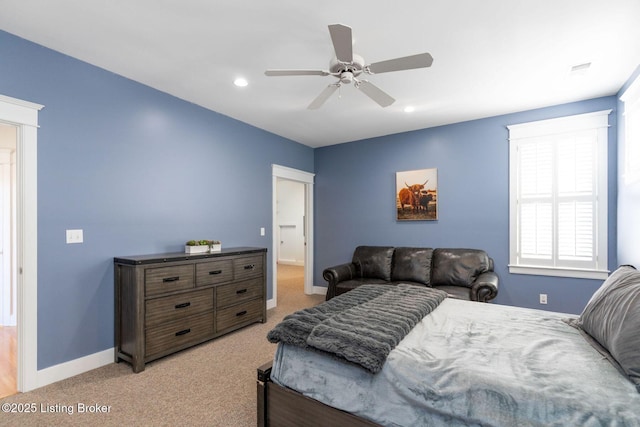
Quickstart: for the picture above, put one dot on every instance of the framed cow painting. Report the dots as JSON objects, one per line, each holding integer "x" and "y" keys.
{"x": 417, "y": 195}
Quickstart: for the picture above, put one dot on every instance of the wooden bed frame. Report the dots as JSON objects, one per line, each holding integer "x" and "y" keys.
{"x": 282, "y": 407}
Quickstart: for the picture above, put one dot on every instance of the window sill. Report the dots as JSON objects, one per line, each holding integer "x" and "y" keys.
{"x": 559, "y": 272}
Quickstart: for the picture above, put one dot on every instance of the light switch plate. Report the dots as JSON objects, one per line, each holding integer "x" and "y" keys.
{"x": 74, "y": 236}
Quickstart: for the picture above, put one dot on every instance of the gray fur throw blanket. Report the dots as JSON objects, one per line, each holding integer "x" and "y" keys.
{"x": 361, "y": 326}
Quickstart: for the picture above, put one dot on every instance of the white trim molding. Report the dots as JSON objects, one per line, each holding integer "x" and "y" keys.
{"x": 24, "y": 115}
{"x": 75, "y": 367}
{"x": 306, "y": 178}
{"x": 558, "y": 272}
{"x": 630, "y": 150}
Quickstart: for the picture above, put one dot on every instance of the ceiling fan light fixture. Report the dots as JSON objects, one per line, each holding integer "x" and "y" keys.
{"x": 346, "y": 77}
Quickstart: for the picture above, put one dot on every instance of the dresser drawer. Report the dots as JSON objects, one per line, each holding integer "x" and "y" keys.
{"x": 250, "y": 311}
{"x": 212, "y": 272}
{"x": 247, "y": 267}
{"x": 237, "y": 292}
{"x": 167, "y": 279}
{"x": 167, "y": 309}
{"x": 178, "y": 333}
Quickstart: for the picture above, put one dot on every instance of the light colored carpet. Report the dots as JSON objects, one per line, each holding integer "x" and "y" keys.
{"x": 213, "y": 384}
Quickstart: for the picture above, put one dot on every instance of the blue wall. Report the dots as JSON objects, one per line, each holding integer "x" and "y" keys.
{"x": 628, "y": 198}
{"x": 140, "y": 172}
{"x": 355, "y": 204}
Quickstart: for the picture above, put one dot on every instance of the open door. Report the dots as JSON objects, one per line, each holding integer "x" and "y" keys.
{"x": 306, "y": 179}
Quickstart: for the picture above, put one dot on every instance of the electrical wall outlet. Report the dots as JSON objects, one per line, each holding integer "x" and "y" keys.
{"x": 543, "y": 298}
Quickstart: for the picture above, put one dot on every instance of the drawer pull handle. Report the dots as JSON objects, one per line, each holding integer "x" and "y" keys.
{"x": 183, "y": 332}
{"x": 249, "y": 267}
{"x": 214, "y": 272}
{"x": 183, "y": 305}
{"x": 241, "y": 291}
{"x": 242, "y": 313}
{"x": 171, "y": 279}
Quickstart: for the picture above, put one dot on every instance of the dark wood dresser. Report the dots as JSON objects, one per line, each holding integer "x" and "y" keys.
{"x": 168, "y": 302}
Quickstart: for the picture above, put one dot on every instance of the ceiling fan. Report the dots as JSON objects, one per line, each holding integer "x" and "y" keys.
{"x": 348, "y": 66}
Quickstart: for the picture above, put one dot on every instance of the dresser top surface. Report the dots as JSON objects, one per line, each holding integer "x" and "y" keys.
{"x": 181, "y": 256}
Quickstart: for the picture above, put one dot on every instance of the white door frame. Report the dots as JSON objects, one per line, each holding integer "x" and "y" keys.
{"x": 307, "y": 179}
{"x": 8, "y": 317}
{"x": 24, "y": 115}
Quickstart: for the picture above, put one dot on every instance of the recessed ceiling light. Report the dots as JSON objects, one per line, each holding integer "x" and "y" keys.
{"x": 409, "y": 109}
{"x": 240, "y": 82}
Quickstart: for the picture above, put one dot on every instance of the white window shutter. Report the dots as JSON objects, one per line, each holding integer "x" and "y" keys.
{"x": 558, "y": 211}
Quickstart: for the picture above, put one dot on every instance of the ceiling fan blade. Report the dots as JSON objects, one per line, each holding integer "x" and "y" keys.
{"x": 421, "y": 60}
{"x": 342, "y": 42}
{"x": 296, "y": 73}
{"x": 322, "y": 98}
{"x": 375, "y": 93}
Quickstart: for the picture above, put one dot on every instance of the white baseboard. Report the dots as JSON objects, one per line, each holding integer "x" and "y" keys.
{"x": 320, "y": 290}
{"x": 97, "y": 360}
{"x": 75, "y": 367}
{"x": 299, "y": 263}
{"x": 317, "y": 290}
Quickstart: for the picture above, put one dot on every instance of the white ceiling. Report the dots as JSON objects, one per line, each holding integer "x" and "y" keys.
{"x": 490, "y": 57}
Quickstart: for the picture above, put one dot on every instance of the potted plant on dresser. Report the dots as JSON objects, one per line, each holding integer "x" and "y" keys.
{"x": 202, "y": 246}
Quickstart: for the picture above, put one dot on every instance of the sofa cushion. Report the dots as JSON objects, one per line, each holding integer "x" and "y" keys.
{"x": 412, "y": 265}
{"x": 458, "y": 267}
{"x": 456, "y": 292}
{"x": 373, "y": 261}
{"x": 612, "y": 317}
{"x": 348, "y": 285}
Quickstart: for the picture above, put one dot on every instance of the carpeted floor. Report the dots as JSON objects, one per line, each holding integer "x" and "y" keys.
{"x": 213, "y": 384}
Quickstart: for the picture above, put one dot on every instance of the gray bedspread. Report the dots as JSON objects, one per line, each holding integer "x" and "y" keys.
{"x": 473, "y": 364}
{"x": 361, "y": 326}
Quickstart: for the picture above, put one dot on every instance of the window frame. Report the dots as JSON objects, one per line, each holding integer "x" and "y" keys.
{"x": 631, "y": 154}
{"x": 549, "y": 129}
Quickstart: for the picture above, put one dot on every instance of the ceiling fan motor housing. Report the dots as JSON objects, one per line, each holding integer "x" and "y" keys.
{"x": 347, "y": 71}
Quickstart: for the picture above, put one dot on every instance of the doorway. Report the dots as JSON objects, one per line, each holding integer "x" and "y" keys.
{"x": 291, "y": 236}
{"x": 290, "y": 219}
{"x": 292, "y": 225}
{"x": 23, "y": 117}
{"x": 8, "y": 274}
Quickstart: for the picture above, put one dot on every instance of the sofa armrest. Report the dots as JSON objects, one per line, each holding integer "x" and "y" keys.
{"x": 485, "y": 287}
{"x": 337, "y": 274}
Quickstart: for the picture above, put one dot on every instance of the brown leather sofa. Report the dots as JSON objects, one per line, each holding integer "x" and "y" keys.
{"x": 462, "y": 273}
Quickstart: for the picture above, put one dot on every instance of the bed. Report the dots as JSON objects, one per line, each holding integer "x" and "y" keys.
{"x": 462, "y": 363}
